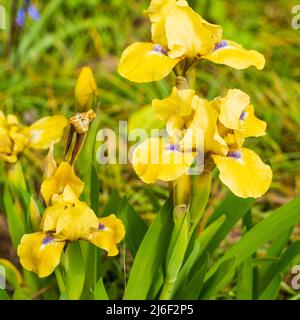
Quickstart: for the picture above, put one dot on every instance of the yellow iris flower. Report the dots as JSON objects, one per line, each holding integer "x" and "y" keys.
{"x": 225, "y": 124}
{"x": 40, "y": 252}
{"x": 66, "y": 219}
{"x": 241, "y": 169}
{"x": 16, "y": 138}
{"x": 180, "y": 34}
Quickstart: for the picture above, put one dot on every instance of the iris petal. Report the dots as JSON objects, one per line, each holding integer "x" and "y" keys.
{"x": 246, "y": 175}
{"x": 141, "y": 63}
{"x": 235, "y": 56}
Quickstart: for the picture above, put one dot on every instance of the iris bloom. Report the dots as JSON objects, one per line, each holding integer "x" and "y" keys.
{"x": 181, "y": 35}
{"x": 241, "y": 169}
{"x": 40, "y": 252}
{"x": 225, "y": 123}
{"x": 16, "y": 138}
{"x": 66, "y": 219}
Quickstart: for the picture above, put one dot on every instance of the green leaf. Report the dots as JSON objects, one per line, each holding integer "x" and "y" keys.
{"x": 95, "y": 190}
{"x": 21, "y": 294}
{"x": 153, "y": 199}
{"x": 135, "y": 226}
{"x": 4, "y": 295}
{"x": 150, "y": 255}
{"x": 12, "y": 274}
{"x": 212, "y": 285}
{"x": 16, "y": 224}
{"x": 194, "y": 259}
{"x": 193, "y": 287}
{"x": 271, "y": 292}
{"x": 100, "y": 291}
{"x": 286, "y": 258}
{"x": 279, "y": 221}
{"x": 245, "y": 280}
{"x": 75, "y": 271}
{"x": 234, "y": 209}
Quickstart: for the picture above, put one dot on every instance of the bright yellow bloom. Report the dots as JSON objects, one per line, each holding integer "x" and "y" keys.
{"x": 16, "y": 138}
{"x": 64, "y": 182}
{"x": 241, "y": 169}
{"x": 86, "y": 87}
{"x": 73, "y": 222}
{"x": 183, "y": 109}
{"x": 179, "y": 33}
{"x": 40, "y": 252}
{"x": 111, "y": 231}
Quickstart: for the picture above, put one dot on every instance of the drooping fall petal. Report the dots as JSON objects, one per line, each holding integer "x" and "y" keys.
{"x": 155, "y": 159}
{"x": 235, "y": 56}
{"x": 40, "y": 253}
{"x": 244, "y": 173}
{"x": 111, "y": 231}
{"x": 145, "y": 62}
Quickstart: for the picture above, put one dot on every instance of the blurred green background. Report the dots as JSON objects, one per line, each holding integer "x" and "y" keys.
{"x": 39, "y": 74}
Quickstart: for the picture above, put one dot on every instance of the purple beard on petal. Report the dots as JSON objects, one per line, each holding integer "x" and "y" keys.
{"x": 101, "y": 227}
{"x": 243, "y": 115}
{"x": 234, "y": 154}
{"x": 173, "y": 147}
{"x": 47, "y": 240}
{"x": 159, "y": 49}
{"x": 221, "y": 44}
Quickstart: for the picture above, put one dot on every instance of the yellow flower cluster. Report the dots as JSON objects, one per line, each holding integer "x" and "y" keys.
{"x": 225, "y": 123}
{"x": 181, "y": 38}
{"x": 66, "y": 219}
{"x": 15, "y": 138}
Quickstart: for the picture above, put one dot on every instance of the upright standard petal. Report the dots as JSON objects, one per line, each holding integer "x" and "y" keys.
{"x": 111, "y": 231}
{"x": 45, "y": 130}
{"x": 235, "y": 56}
{"x": 187, "y": 36}
{"x": 179, "y": 103}
{"x": 145, "y": 62}
{"x": 205, "y": 119}
{"x": 40, "y": 253}
{"x": 244, "y": 173}
{"x": 64, "y": 176}
{"x": 157, "y": 12}
{"x": 231, "y": 108}
{"x": 76, "y": 222}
